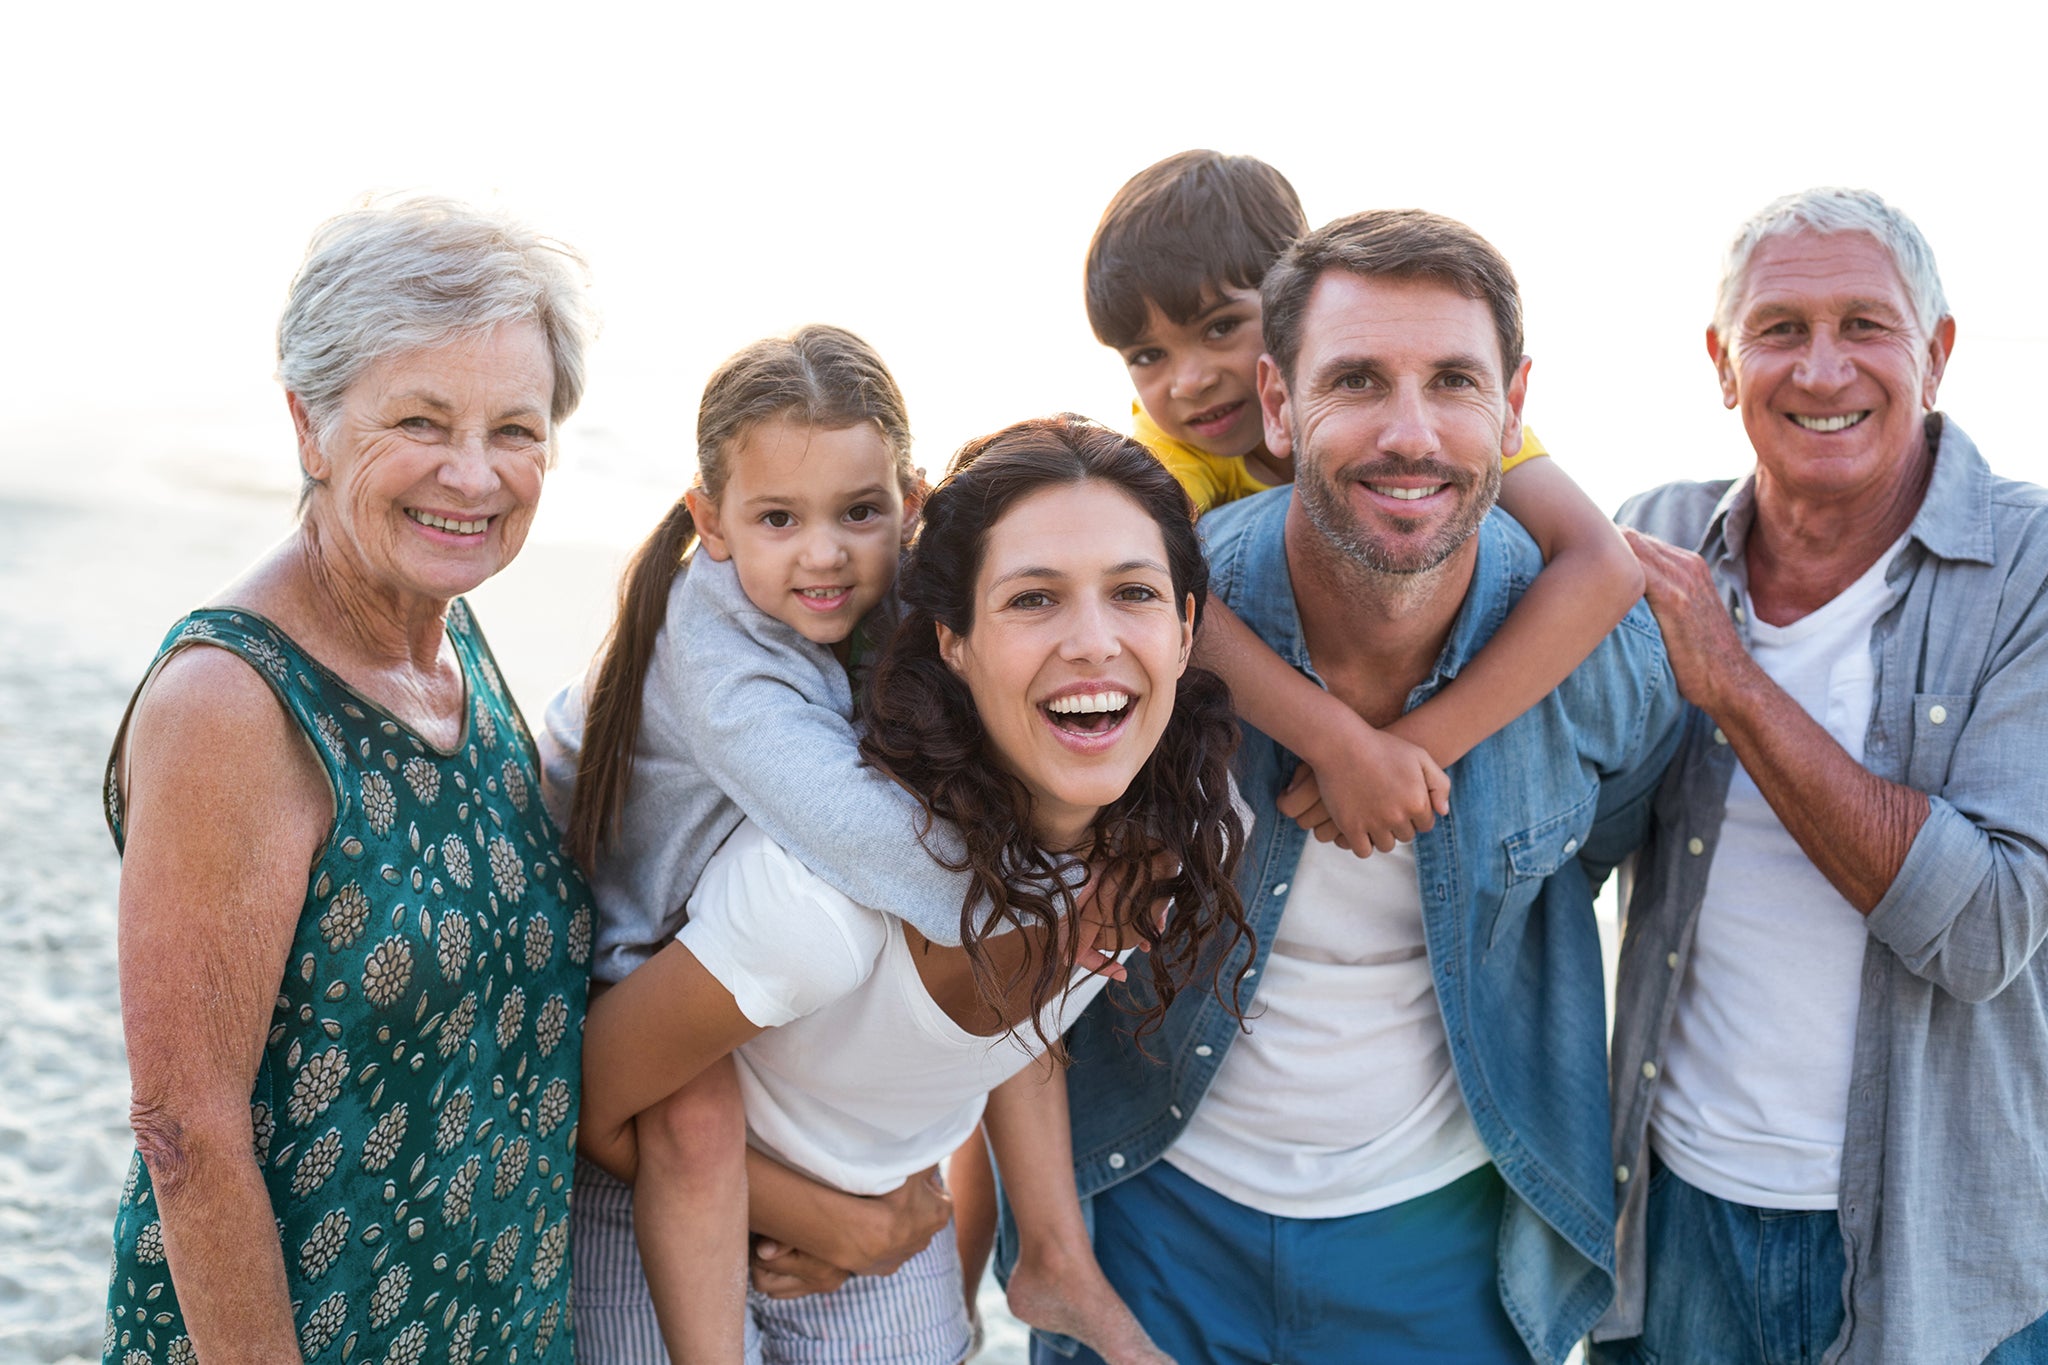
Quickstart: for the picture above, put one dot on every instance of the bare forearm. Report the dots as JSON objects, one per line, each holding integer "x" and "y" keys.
{"x": 869, "y": 1236}
{"x": 1567, "y": 611}
{"x": 220, "y": 1241}
{"x": 1854, "y": 826}
{"x": 1266, "y": 691}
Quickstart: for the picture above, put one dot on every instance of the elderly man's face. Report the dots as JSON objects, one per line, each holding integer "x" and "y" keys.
{"x": 1828, "y": 366}
{"x": 1397, "y": 416}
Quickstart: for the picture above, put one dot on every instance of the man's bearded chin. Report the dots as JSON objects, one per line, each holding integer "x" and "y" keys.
{"x": 1330, "y": 513}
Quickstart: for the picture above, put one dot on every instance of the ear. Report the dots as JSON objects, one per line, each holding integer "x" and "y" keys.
{"x": 951, "y": 646}
{"x": 1187, "y": 633}
{"x": 1940, "y": 347}
{"x": 1724, "y": 367}
{"x": 1517, "y": 393}
{"x": 913, "y": 507}
{"x": 1273, "y": 410}
{"x": 312, "y": 460}
{"x": 704, "y": 514}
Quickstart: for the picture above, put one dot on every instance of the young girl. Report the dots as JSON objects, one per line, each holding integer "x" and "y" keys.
{"x": 724, "y": 694}
{"x": 1034, "y": 698}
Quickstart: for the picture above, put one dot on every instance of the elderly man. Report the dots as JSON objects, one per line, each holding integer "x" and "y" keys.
{"x": 1402, "y": 1156}
{"x": 1830, "y": 1066}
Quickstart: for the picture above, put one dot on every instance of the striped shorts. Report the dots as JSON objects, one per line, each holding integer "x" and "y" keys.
{"x": 916, "y": 1316}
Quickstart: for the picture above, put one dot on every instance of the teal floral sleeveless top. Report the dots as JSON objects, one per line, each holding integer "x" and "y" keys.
{"x": 415, "y": 1110}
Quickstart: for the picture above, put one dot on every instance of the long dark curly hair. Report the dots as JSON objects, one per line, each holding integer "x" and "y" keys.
{"x": 1174, "y": 833}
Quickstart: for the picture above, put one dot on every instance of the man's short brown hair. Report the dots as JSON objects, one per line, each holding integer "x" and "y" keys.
{"x": 1402, "y": 244}
{"x": 1181, "y": 230}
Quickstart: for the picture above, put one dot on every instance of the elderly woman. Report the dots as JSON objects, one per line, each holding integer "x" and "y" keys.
{"x": 352, "y": 955}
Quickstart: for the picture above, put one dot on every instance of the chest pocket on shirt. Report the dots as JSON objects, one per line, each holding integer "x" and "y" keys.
{"x": 1938, "y": 720}
{"x": 1533, "y": 855}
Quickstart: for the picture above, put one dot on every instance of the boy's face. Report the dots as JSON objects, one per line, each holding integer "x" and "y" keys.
{"x": 1198, "y": 380}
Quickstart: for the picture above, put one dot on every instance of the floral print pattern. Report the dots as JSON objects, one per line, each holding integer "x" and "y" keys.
{"x": 415, "y": 1109}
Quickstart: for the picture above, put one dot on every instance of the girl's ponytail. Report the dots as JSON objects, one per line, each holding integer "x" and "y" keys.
{"x": 611, "y": 721}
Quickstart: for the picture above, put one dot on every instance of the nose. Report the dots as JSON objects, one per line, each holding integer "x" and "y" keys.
{"x": 467, "y": 471}
{"x": 1193, "y": 375}
{"x": 822, "y": 549}
{"x": 1824, "y": 365}
{"x": 1091, "y": 635}
{"x": 1409, "y": 430}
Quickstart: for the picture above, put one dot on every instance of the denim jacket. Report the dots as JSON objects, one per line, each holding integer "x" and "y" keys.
{"x": 1944, "y": 1187}
{"x": 1539, "y": 813}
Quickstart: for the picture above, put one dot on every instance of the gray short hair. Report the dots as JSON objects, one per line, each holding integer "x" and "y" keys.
{"x": 406, "y": 274}
{"x": 1828, "y": 208}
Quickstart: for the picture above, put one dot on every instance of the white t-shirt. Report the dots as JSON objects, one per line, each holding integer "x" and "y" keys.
{"x": 861, "y": 1080}
{"x": 1341, "y": 1098}
{"x": 1754, "y": 1095}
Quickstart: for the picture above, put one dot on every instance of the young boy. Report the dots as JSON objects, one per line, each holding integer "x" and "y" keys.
{"x": 1173, "y": 279}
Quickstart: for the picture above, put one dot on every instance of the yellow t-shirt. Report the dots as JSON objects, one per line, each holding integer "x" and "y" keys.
{"x": 1211, "y": 480}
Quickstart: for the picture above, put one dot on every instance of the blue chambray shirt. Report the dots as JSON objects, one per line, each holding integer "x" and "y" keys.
{"x": 1944, "y": 1193}
{"x": 1539, "y": 813}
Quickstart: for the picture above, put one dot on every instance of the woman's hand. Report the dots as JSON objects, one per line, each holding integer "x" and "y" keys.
{"x": 864, "y": 1235}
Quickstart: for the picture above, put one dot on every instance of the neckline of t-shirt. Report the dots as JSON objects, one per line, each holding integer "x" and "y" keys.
{"x": 1845, "y": 604}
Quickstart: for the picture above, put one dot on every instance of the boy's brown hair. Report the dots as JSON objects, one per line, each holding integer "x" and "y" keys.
{"x": 1180, "y": 230}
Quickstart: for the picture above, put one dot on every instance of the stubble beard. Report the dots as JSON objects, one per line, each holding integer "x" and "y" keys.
{"x": 1333, "y": 519}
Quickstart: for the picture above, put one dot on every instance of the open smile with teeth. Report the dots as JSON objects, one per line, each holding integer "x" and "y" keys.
{"x": 1387, "y": 490}
{"x": 460, "y": 528}
{"x": 1089, "y": 713}
{"x": 1841, "y": 423}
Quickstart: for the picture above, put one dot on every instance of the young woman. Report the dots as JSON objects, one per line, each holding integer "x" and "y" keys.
{"x": 1036, "y": 699}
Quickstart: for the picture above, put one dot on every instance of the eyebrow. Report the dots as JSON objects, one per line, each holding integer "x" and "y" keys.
{"x": 429, "y": 399}
{"x": 1041, "y": 571}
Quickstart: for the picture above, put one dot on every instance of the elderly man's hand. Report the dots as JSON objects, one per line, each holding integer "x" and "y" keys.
{"x": 1706, "y": 653}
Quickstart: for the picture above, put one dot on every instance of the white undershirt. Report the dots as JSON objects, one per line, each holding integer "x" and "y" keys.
{"x": 1341, "y": 1098}
{"x": 1754, "y": 1095}
{"x": 861, "y": 1080}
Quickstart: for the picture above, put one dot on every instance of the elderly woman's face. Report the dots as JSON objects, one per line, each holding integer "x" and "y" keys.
{"x": 1076, "y": 649}
{"x": 433, "y": 469}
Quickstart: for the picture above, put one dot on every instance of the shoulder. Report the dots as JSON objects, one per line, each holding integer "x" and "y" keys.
{"x": 1237, "y": 527}
{"x": 1677, "y": 513}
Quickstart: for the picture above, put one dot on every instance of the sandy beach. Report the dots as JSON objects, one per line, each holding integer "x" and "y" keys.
{"x": 87, "y": 589}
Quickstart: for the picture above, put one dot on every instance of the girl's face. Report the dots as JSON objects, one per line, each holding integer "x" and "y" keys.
{"x": 813, "y": 519}
{"x": 1075, "y": 650}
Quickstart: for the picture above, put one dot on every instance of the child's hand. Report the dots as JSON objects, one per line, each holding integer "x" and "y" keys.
{"x": 783, "y": 1272}
{"x": 1097, "y": 910}
{"x": 1382, "y": 791}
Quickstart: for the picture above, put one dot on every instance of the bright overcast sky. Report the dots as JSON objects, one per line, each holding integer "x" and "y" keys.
{"x": 929, "y": 177}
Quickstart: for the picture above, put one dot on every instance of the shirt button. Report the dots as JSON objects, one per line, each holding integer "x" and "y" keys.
{"x": 1280, "y": 890}
{"x": 1173, "y": 1109}
{"x": 1249, "y": 973}
{"x": 1204, "y": 1050}
{"x": 1937, "y": 714}
{"x": 1671, "y": 961}
{"x": 1116, "y": 1161}
{"x": 1695, "y": 846}
{"x": 1571, "y": 845}
{"x": 1649, "y": 1071}
{"x": 1720, "y": 735}
{"x": 1740, "y": 614}
{"x": 1621, "y": 1175}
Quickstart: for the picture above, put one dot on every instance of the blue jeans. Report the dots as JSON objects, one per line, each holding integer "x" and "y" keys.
{"x": 1216, "y": 1282}
{"x": 1735, "y": 1285}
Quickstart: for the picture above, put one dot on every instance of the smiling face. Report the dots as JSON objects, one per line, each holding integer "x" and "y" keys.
{"x": 1397, "y": 415}
{"x": 1198, "y": 380}
{"x": 1076, "y": 646}
{"x": 429, "y": 473}
{"x": 1828, "y": 367}
{"x": 813, "y": 520}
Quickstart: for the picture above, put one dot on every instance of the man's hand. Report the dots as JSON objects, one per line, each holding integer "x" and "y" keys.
{"x": 783, "y": 1272}
{"x": 1378, "y": 791}
{"x": 908, "y": 1218}
{"x": 1705, "y": 651}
